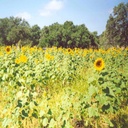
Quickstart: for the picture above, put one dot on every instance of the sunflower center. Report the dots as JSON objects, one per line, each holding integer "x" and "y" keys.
{"x": 8, "y": 49}
{"x": 69, "y": 50}
{"x": 99, "y": 63}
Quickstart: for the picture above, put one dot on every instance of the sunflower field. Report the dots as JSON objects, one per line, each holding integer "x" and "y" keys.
{"x": 63, "y": 88}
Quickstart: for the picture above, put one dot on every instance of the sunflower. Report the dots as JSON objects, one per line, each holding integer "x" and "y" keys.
{"x": 99, "y": 64}
{"x": 49, "y": 57}
{"x": 8, "y": 49}
{"x": 23, "y": 59}
{"x": 68, "y": 50}
{"x": 17, "y": 61}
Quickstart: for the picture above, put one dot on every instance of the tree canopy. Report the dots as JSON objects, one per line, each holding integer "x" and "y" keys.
{"x": 116, "y": 32}
{"x": 67, "y": 35}
{"x": 13, "y": 30}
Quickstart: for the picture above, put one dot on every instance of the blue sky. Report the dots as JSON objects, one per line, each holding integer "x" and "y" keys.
{"x": 93, "y": 13}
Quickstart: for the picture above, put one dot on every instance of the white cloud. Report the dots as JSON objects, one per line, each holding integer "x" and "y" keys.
{"x": 24, "y": 15}
{"x": 52, "y": 6}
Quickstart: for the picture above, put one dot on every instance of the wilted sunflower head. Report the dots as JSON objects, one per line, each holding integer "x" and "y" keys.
{"x": 8, "y": 49}
{"x": 99, "y": 64}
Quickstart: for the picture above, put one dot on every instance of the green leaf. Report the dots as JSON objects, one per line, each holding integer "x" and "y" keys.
{"x": 6, "y": 122}
{"x": 118, "y": 90}
{"x": 63, "y": 126}
{"x": 49, "y": 112}
{"x": 52, "y": 123}
{"x": 18, "y": 83}
{"x": 21, "y": 80}
{"x": 91, "y": 79}
{"x": 42, "y": 113}
{"x": 5, "y": 76}
{"x": 31, "y": 105}
{"x": 93, "y": 112}
{"x": 19, "y": 103}
{"x": 45, "y": 122}
{"x": 103, "y": 99}
{"x": 35, "y": 115}
{"x": 24, "y": 113}
{"x": 92, "y": 90}
{"x": 111, "y": 92}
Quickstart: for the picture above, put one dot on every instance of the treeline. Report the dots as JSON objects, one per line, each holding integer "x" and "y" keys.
{"x": 68, "y": 35}
{"x": 16, "y": 31}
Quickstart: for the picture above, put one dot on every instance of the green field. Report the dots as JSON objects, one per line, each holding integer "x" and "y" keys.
{"x": 63, "y": 88}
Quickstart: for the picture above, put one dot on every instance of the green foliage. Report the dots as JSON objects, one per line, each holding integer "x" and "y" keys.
{"x": 60, "y": 88}
{"x": 12, "y": 30}
{"x": 117, "y": 26}
{"x": 67, "y": 35}
{"x": 35, "y": 35}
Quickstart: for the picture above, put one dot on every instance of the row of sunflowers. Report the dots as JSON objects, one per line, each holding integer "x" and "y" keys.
{"x": 26, "y": 51}
{"x": 63, "y": 87}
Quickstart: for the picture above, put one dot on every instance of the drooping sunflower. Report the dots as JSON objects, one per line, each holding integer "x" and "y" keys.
{"x": 99, "y": 64}
{"x": 8, "y": 49}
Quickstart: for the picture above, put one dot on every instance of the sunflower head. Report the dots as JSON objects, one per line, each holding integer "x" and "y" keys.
{"x": 49, "y": 57}
{"x": 99, "y": 64}
{"x": 23, "y": 59}
{"x": 17, "y": 61}
{"x": 8, "y": 49}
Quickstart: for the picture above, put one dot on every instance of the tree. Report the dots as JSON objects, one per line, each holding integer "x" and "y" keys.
{"x": 103, "y": 41}
{"x": 51, "y": 36}
{"x": 4, "y": 29}
{"x": 35, "y": 35}
{"x": 94, "y": 40}
{"x": 13, "y": 30}
{"x": 67, "y": 35}
{"x": 117, "y": 26}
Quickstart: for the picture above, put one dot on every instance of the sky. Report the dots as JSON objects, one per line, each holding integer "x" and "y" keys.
{"x": 93, "y": 13}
